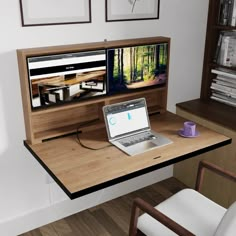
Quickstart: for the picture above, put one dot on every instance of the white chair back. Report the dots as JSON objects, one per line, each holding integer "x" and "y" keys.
{"x": 227, "y": 226}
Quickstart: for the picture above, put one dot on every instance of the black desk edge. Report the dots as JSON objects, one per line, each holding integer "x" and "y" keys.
{"x": 125, "y": 177}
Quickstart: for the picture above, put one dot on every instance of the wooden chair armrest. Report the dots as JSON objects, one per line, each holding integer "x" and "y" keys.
{"x": 214, "y": 168}
{"x": 140, "y": 204}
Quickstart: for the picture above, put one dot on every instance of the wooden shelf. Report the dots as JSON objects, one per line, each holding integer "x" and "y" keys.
{"x": 215, "y": 65}
{"x": 216, "y": 112}
{"x": 223, "y": 27}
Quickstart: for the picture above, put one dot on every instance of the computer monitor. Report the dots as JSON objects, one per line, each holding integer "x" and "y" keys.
{"x": 61, "y": 78}
{"x": 137, "y": 67}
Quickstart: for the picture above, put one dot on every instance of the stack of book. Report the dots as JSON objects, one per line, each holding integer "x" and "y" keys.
{"x": 227, "y": 14}
{"x": 224, "y": 86}
{"x": 226, "y": 49}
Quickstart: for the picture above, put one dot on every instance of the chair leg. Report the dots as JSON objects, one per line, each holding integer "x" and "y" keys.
{"x": 200, "y": 174}
{"x": 135, "y": 211}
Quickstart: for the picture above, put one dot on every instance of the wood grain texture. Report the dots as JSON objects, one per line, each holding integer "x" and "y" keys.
{"x": 78, "y": 169}
{"x": 220, "y": 190}
{"x": 110, "y": 218}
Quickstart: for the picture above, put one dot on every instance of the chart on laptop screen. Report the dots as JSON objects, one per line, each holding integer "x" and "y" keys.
{"x": 127, "y": 121}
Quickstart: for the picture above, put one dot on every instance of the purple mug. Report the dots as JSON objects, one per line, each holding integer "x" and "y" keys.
{"x": 189, "y": 128}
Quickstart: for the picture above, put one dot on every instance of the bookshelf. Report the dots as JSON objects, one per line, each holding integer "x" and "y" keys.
{"x": 214, "y": 28}
{"x": 220, "y": 113}
{"x": 213, "y": 114}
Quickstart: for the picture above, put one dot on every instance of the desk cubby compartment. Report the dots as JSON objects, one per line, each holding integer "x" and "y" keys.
{"x": 47, "y": 122}
{"x": 61, "y": 121}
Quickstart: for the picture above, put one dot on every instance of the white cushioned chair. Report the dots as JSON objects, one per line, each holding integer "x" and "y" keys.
{"x": 185, "y": 213}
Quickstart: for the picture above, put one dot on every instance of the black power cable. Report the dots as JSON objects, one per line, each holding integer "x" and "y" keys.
{"x": 79, "y": 140}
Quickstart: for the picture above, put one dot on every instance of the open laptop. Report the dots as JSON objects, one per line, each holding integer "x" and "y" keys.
{"x": 128, "y": 127}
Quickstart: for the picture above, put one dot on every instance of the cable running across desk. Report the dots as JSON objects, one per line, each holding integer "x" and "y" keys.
{"x": 79, "y": 140}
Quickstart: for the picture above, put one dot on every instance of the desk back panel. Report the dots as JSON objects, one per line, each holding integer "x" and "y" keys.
{"x": 50, "y": 122}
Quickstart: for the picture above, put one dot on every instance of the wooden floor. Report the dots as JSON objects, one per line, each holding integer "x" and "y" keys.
{"x": 110, "y": 218}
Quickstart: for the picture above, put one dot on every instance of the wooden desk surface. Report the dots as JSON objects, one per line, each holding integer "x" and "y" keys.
{"x": 80, "y": 171}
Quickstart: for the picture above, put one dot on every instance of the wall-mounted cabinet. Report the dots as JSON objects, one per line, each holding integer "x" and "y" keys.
{"x": 65, "y": 86}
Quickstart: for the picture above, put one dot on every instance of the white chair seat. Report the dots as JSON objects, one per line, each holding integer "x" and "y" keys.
{"x": 190, "y": 209}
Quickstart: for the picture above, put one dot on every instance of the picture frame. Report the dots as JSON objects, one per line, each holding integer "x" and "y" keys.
{"x": 129, "y": 10}
{"x": 44, "y": 12}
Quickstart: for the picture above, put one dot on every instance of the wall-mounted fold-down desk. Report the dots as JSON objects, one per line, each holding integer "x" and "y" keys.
{"x": 80, "y": 171}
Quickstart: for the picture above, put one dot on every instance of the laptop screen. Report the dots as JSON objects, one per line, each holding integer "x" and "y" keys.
{"x": 125, "y": 118}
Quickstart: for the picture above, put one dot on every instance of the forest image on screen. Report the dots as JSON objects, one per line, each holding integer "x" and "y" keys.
{"x": 137, "y": 67}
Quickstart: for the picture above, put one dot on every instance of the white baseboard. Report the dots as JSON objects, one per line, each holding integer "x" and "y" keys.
{"x": 64, "y": 208}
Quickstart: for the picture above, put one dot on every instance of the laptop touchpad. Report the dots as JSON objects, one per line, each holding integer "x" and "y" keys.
{"x": 141, "y": 147}
{"x": 144, "y": 146}
{"x": 149, "y": 144}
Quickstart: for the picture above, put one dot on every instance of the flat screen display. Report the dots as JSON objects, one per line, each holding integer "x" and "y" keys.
{"x": 61, "y": 78}
{"x": 138, "y": 67}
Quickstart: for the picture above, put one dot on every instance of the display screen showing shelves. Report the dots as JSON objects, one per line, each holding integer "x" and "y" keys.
{"x": 55, "y": 79}
{"x": 61, "y": 78}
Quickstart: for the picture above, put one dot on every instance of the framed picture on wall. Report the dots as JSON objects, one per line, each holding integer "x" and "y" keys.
{"x": 125, "y": 10}
{"x": 54, "y": 12}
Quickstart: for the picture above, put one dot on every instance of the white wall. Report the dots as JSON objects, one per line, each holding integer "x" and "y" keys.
{"x": 26, "y": 198}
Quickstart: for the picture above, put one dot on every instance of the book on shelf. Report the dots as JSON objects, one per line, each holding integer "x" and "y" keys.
{"x": 233, "y": 18}
{"x": 223, "y": 99}
{"x": 230, "y": 12}
{"x": 224, "y": 72}
{"x": 218, "y": 46}
{"x": 223, "y": 13}
{"x": 227, "y": 94}
{"x": 225, "y": 79}
{"x": 223, "y": 88}
{"x": 225, "y": 53}
{"x": 227, "y": 83}
{"x": 224, "y": 96}
{"x": 227, "y": 12}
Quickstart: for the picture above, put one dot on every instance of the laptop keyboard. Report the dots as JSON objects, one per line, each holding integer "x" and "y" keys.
{"x": 138, "y": 138}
